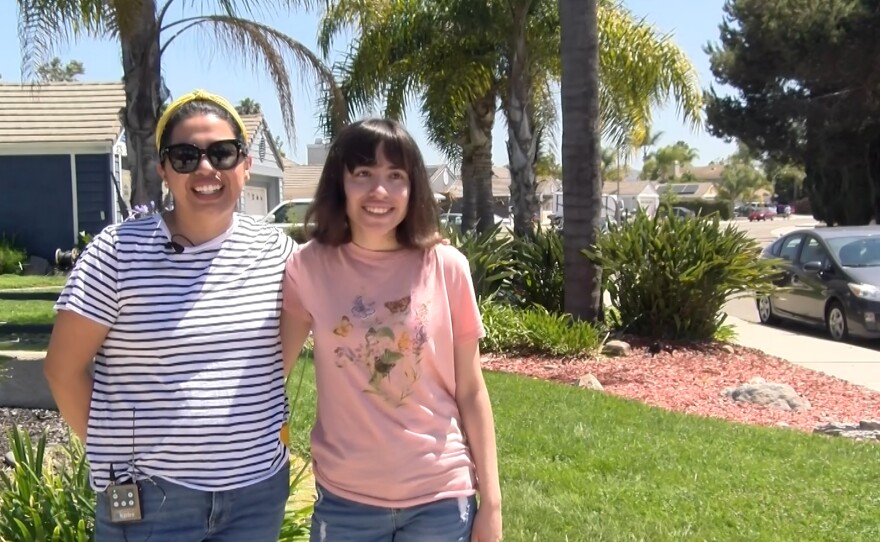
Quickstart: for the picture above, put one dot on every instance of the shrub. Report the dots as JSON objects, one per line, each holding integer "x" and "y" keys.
{"x": 669, "y": 277}
{"x": 490, "y": 258}
{"x": 538, "y": 271}
{"x": 298, "y": 234}
{"x": 511, "y": 330}
{"x": 707, "y": 207}
{"x": 46, "y": 498}
{"x": 11, "y": 256}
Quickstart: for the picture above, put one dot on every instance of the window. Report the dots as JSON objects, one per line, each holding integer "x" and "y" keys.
{"x": 790, "y": 247}
{"x": 813, "y": 251}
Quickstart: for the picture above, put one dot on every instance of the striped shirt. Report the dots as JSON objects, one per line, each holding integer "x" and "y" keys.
{"x": 189, "y": 382}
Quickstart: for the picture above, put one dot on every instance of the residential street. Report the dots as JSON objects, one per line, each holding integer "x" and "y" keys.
{"x": 857, "y": 362}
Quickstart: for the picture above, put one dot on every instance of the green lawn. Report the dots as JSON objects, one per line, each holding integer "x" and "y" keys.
{"x": 581, "y": 465}
{"x": 30, "y": 312}
{"x": 11, "y": 282}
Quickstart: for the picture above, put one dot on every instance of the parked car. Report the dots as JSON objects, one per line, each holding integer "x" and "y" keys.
{"x": 762, "y": 213}
{"x": 288, "y": 213}
{"x": 831, "y": 279}
{"x": 682, "y": 212}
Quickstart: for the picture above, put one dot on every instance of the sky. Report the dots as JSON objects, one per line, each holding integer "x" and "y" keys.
{"x": 193, "y": 62}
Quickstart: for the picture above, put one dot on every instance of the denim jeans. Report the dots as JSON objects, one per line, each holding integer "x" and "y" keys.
{"x": 340, "y": 520}
{"x": 253, "y": 513}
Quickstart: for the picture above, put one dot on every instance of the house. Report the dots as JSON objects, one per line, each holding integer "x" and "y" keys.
{"x": 264, "y": 190}
{"x": 689, "y": 191}
{"x": 300, "y": 181}
{"x": 634, "y": 195}
{"x": 703, "y": 174}
{"x": 57, "y": 157}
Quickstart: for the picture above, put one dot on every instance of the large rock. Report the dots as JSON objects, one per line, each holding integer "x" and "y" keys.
{"x": 590, "y": 382}
{"x": 617, "y": 348}
{"x": 769, "y": 394}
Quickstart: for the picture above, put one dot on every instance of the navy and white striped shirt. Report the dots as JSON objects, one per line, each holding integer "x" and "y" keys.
{"x": 189, "y": 382}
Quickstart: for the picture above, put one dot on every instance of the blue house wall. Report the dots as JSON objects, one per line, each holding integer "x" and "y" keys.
{"x": 37, "y": 205}
{"x": 94, "y": 192}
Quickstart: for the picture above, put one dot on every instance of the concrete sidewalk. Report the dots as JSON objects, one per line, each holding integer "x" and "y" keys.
{"x": 846, "y": 361}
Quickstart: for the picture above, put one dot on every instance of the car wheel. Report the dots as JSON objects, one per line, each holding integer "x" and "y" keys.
{"x": 765, "y": 311}
{"x": 835, "y": 321}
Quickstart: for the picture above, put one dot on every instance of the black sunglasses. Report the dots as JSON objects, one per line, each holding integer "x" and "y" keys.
{"x": 222, "y": 155}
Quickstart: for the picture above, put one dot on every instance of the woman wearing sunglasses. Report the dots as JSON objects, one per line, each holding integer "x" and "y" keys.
{"x": 180, "y": 312}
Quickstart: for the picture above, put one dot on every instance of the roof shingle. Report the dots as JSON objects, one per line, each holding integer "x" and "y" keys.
{"x": 60, "y": 112}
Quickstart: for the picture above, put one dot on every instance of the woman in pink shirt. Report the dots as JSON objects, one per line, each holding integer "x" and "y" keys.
{"x": 404, "y": 437}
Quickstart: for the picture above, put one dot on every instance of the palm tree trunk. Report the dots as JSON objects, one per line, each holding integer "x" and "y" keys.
{"x": 521, "y": 143}
{"x": 582, "y": 187}
{"x": 468, "y": 186}
{"x": 481, "y": 121}
{"x": 142, "y": 80}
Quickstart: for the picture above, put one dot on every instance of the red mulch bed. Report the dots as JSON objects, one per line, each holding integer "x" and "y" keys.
{"x": 690, "y": 379}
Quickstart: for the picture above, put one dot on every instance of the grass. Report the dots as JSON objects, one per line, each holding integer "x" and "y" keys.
{"x": 15, "y": 282}
{"x": 30, "y": 312}
{"x": 581, "y": 465}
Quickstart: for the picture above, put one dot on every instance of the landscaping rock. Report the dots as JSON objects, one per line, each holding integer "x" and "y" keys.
{"x": 590, "y": 382}
{"x": 865, "y": 430}
{"x": 769, "y": 394}
{"x": 617, "y": 348}
{"x": 728, "y": 349}
{"x": 9, "y": 460}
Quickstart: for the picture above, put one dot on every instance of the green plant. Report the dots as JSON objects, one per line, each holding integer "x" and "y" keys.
{"x": 83, "y": 240}
{"x": 489, "y": 255}
{"x": 298, "y": 234}
{"x": 538, "y": 279}
{"x": 669, "y": 276}
{"x": 11, "y": 256}
{"x": 47, "y": 497}
{"x": 536, "y": 330}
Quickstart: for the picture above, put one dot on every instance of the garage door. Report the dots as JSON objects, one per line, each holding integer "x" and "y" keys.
{"x": 256, "y": 201}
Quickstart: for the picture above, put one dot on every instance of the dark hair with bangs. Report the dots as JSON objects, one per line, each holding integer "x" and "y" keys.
{"x": 356, "y": 146}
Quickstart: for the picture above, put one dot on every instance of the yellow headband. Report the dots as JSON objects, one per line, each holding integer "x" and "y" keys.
{"x": 193, "y": 96}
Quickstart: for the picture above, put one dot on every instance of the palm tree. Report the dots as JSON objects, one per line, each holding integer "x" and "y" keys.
{"x": 646, "y": 140}
{"x": 144, "y": 32}
{"x": 469, "y": 50}
{"x": 395, "y": 59}
{"x": 582, "y": 188}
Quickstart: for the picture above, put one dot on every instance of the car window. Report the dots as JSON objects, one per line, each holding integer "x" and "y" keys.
{"x": 813, "y": 251}
{"x": 775, "y": 247}
{"x": 281, "y": 214}
{"x": 790, "y": 247}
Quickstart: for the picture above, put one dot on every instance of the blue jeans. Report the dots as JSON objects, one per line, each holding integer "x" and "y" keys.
{"x": 253, "y": 513}
{"x": 340, "y": 520}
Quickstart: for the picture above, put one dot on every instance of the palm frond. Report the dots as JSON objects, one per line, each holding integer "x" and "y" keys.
{"x": 639, "y": 70}
{"x": 45, "y": 26}
{"x": 260, "y": 45}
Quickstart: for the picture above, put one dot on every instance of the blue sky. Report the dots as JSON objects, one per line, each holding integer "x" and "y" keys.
{"x": 192, "y": 62}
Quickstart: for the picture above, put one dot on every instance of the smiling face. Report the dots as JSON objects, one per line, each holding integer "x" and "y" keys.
{"x": 376, "y": 199}
{"x": 206, "y": 191}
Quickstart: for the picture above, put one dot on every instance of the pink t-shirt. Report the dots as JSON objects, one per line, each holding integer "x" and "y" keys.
{"x": 388, "y": 430}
